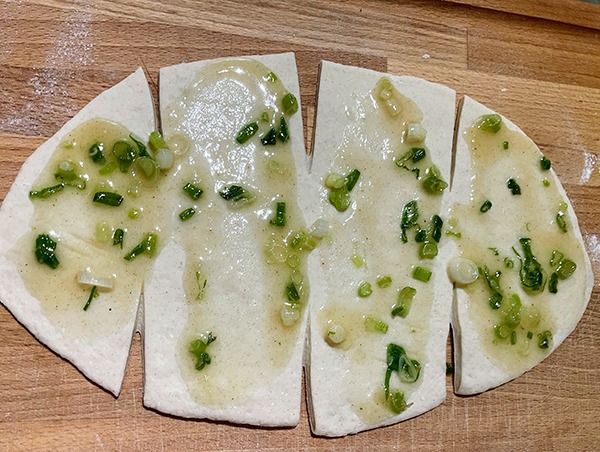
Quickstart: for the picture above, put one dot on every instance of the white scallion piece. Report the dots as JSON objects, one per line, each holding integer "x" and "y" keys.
{"x": 87, "y": 279}
{"x": 462, "y": 271}
{"x": 415, "y": 133}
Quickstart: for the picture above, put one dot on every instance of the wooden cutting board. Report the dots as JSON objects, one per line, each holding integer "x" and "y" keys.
{"x": 536, "y": 62}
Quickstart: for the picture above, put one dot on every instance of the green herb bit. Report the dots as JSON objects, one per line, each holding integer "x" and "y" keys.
{"x": 560, "y": 221}
{"x": 374, "y": 325}
{"x": 134, "y": 213}
{"x": 494, "y": 251}
{"x": 436, "y": 230}
{"x": 513, "y": 186}
{"x": 45, "y": 251}
{"x": 96, "y": 153}
{"x": 544, "y": 339}
{"x": 414, "y": 154}
{"x": 433, "y": 182}
{"x": 385, "y": 94}
{"x": 365, "y": 289}
{"x": 553, "y": 283}
{"x": 397, "y": 402}
{"x": 340, "y": 197}
{"x": 545, "y": 182}
{"x": 147, "y": 245}
{"x": 505, "y": 145}
{"x": 107, "y": 169}
{"x": 529, "y": 335}
{"x": 357, "y": 260}
{"x": 236, "y": 195}
{"x": 47, "y": 191}
{"x": 404, "y": 302}
{"x": 487, "y": 205}
{"x": 509, "y": 262}
{"x": 65, "y": 171}
{"x": 513, "y": 337}
{"x": 292, "y": 292}
{"x": 384, "y": 281}
{"x": 187, "y": 214}
{"x": 198, "y": 349}
{"x": 192, "y": 191}
{"x": 289, "y": 104}
{"x": 264, "y": 116}
{"x": 302, "y": 241}
{"x": 156, "y": 141}
{"x": 108, "y": 198}
{"x": 93, "y": 294}
{"x": 421, "y": 274}
{"x": 201, "y": 286}
{"x": 269, "y": 138}
{"x": 532, "y": 275}
{"x": 142, "y": 150}
{"x": 493, "y": 282}
{"x": 270, "y": 77}
{"x": 449, "y": 369}
{"x": 125, "y": 154}
{"x": 490, "y": 123}
{"x": 283, "y": 133}
{"x": 279, "y": 218}
{"x": 545, "y": 163}
{"x": 428, "y": 250}
{"x": 246, "y": 132}
{"x": 557, "y": 257}
{"x": 118, "y": 237}
{"x": 410, "y": 215}
{"x": 398, "y": 361}
{"x": 566, "y": 268}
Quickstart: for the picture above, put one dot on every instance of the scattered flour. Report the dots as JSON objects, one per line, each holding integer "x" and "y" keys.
{"x": 426, "y": 56}
{"x": 590, "y": 162}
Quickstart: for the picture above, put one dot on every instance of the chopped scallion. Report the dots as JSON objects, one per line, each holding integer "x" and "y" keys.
{"x": 532, "y": 275}
{"x": 125, "y": 154}
{"x": 93, "y": 294}
{"x": 289, "y": 104}
{"x": 157, "y": 141}
{"x": 365, "y": 289}
{"x": 545, "y": 163}
{"x": 118, "y": 237}
{"x": 505, "y": 145}
{"x": 421, "y": 274}
{"x": 410, "y": 215}
{"x": 198, "y": 349}
{"x": 186, "y": 214}
{"x": 96, "y": 153}
{"x": 283, "y": 133}
{"x": 544, "y": 339}
{"x": 487, "y": 205}
{"x": 279, "y": 218}
{"x": 108, "y": 198}
{"x": 192, "y": 191}
{"x": 513, "y": 186}
{"x": 246, "y": 132}
{"x": 269, "y": 138}
{"x": 374, "y": 325}
{"x": 404, "y": 302}
{"x": 490, "y": 123}
{"x": 47, "y": 191}
{"x": 433, "y": 182}
{"x": 45, "y": 251}
{"x": 384, "y": 281}
{"x": 147, "y": 245}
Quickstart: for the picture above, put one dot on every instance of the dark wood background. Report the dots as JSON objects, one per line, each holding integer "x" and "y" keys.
{"x": 537, "y": 62}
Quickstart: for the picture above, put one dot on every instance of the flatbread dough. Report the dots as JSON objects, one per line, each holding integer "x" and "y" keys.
{"x": 102, "y": 358}
{"x": 482, "y": 360}
{"x": 255, "y": 371}
{"x": 345, "y": 382}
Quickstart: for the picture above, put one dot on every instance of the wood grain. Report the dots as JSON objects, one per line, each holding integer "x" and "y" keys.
{"x": 539, "y": 67}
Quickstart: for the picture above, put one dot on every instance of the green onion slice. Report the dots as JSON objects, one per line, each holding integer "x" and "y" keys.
{"x": 404, "y": 302}
{"x": 289, "y": 104}
{"x": 147, "y": 245}
{"x": 125, "y": 154}
{"x": 512, "y": 185}
{"x": 93, "y": 294}
{"x": 490, "y": 123}
{"x": 487, "y": 205}
{"x": 45, "y": 251}
{"x": 531, "y": 273}
{"x": 118, "y": 237}
{"x": 157, "y": 141}
{"x": 108, "y": 198}
{"x": 364, "y": 289}
{"x": 384, "y": 281}
{"x": 192, "y": 191}
{"x": 269, "y": 138}
{"x": 198, "y": 349}
{"x": 187, "y": 214}
{"x": 47, "y": 191}
{"x": 96, "y": 153}
{"x": 374, "y": 325}
{"x": 545, "y": 163}
{"x": 421, "y": 274}
{"x": 246, "y": 132}
{"x": 410, "y": 215}
{"x": 283, "y": 134}
{"x": 279, "y": 218}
